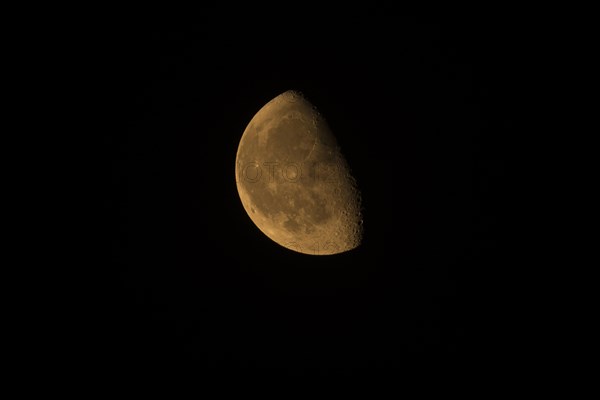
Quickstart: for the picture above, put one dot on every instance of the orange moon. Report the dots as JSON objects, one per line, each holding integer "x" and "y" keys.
{"x": 294, "y": 182}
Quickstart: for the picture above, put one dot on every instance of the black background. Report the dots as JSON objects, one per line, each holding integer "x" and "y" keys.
{"x": 424, "y": 113}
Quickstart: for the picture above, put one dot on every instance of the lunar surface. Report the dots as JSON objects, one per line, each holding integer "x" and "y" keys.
{"x": 294, "y": 182}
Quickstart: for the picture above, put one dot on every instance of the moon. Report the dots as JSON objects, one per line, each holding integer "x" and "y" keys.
{"x": 294, "y": 182}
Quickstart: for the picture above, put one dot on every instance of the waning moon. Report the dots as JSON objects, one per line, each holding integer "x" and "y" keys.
{"x": 294, "y": 182}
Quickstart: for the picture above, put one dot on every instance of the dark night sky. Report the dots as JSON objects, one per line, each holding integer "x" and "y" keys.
{"x": 424, "y": 115}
